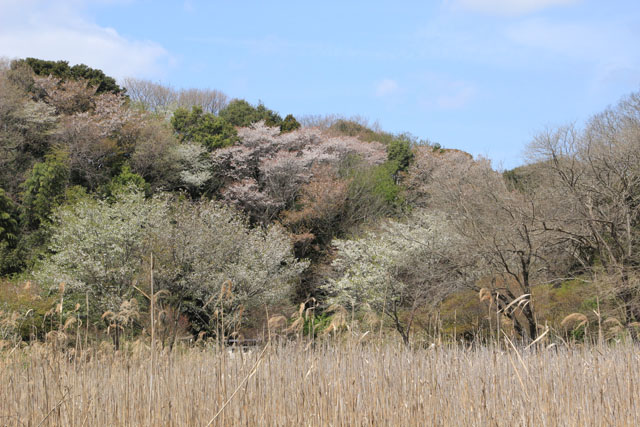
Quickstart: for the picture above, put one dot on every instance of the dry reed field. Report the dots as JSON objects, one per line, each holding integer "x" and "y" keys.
{"x": 336, "y": 385}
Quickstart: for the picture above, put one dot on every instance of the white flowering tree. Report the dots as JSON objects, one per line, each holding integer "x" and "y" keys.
{"x": 99, "y": 247}
{"x": 212, "y": 263}
{"x": 217, "y": 268}
{"x": 195, "y": 167}
{"x": 398, "y": 270}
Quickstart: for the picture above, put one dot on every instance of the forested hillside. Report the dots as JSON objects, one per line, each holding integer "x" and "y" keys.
{"x": 312, "y": 225}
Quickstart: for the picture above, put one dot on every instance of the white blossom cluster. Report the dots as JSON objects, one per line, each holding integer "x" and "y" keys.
{"x": 210, "y": 244}
{"x": 99, "y": 247}
{"x": 103, "y": 248}
{"x": 403, "y": 263}
{"x": 195, "y": 167}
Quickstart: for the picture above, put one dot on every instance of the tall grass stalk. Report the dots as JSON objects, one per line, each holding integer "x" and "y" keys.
{"x": 153, "y": 339}
{"x": 362, "y": 383}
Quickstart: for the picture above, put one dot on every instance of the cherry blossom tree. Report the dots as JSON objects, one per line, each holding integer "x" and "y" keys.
{"x": 212, "y": 263}
{"x": 398, "y": 269}
{"x": 265, "y": 171}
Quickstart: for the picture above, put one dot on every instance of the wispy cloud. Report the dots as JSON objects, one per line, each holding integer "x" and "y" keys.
{"x": 581, "y": 40}
{"x": 58, "y": 30}
{"x": 188, "y": 6}
{"x": 611, "y": 48}
{"x": 457, "y": 96}
{"x": 436, "y": 91}
{"x": 507, "y": 7}
{"x": 271, "y": 44}
{"x": 386, "y": 87}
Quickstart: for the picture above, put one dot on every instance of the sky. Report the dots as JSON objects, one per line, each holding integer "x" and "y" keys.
{"x": 483, "y": 76}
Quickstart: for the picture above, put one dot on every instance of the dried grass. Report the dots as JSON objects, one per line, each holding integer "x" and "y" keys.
{"x": 329, "y": 384}
{"x": 574, "y": 319}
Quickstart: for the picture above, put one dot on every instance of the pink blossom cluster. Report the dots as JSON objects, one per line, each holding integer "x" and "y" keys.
{"x": 264, "y": 172}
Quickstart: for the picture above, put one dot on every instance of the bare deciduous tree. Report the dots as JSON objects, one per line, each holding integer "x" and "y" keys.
{"x": 211, "y": 100}
{"x": 503, "y": 230}
{"x": 162, "y": 99}
{"x": 154, "y": 156}
{"x": 149, "y": 95}
{"x": 595, "y": 180}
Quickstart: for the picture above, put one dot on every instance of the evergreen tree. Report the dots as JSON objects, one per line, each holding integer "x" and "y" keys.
{"x": 125, "y": 180}
{"x": 399, "y": 152}
{"x": 289, "y": 124}
{"x": 44, "y": 190}
{"x": 8, "y": 222}
{"x": 62, "y": 70}
{"x": 242, "y": 114}
{"x": 211, "y": 131}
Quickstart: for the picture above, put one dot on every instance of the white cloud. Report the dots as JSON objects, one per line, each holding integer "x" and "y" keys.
{"x": 610, "y": 47}
{"x": 441, "y": 92}
{"x": 188, "y": 6}
{"x": 508, "y": 7}
{"x": 58, "y": 30}
{"x": 387, "y": 87}
{"x": 561, "y": 38}
{"x": 458, "y": 96}
{"x": 576, "y": 40}
{"x": 602, "y": 48}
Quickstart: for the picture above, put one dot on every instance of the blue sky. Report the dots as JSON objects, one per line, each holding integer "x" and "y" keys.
{"x": 479, "y": 75}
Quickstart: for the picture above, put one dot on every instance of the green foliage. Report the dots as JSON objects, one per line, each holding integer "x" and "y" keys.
{"x": 126, "y": 179}
{"x": 355, "y": 129}
{"x": 74, "y": 194}
{"x": 522, "y": 178}
{"x": 8, "y": 232}
{"x": 25, "y": 129}
{"x": 44, "y": 190}
{"x": 62, "y": 70}
{"x": 240, "y": 113}
{"x": 209, "y": 130}
{"x": 372, "y": 191}
{"x": 28, "y": 250}
{"x": 289, "y": 124}
{"x": 555, "y": 302}
{"x": 319, "y": 323}
{"x": 270, "y": 117}
{"x": 399, "y": 153}
{"x": 384, "y": 185}
{"x": 8, "y": 221}
{"x": 578, "y": 334}
{"x": 30, "y": 303}
{"x": 349, "y": 128}
{"x": 512, "y": 178}
{"x": 376, "y": 184}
